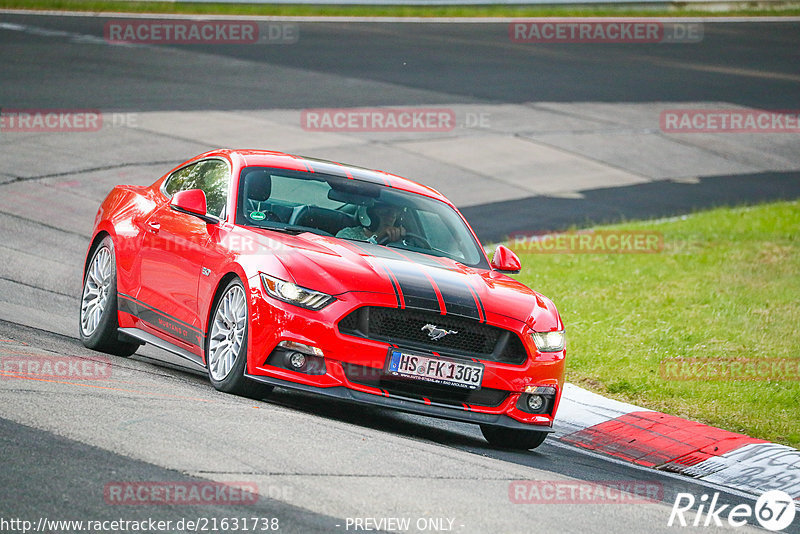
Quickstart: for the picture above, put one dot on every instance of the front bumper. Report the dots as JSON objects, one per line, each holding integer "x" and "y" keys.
{"x": 404, "y": 405}
{"x": 274, "y": 321}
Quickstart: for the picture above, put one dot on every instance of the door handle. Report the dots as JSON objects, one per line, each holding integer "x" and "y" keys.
{"x": 153, "y": 226}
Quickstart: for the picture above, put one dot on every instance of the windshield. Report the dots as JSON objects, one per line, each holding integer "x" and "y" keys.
{"x": 296, "y": 201}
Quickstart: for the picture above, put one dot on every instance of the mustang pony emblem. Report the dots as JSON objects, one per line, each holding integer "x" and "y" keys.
{"x": 436, "y": 333}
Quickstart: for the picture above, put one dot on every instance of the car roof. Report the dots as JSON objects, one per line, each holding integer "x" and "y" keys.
{"x": 280, "y": 160}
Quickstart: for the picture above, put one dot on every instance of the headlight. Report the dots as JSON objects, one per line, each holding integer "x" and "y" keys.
{"x": 549, "y": 341}
{"x": 294, "y": 294}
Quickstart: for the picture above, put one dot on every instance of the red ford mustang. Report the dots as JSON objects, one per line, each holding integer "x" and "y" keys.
{"x": 276, "y": 270}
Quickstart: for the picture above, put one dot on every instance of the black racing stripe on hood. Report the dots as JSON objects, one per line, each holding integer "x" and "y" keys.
{"x": 397, "y": 291}
{"x": 480, "y": 305}
{"x": 459, "y": 298}
{"x": 417, "y": 289}
{"x": 407, "y": 255}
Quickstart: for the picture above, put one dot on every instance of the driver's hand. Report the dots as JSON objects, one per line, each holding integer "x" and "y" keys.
{"x": 392, "y": 233}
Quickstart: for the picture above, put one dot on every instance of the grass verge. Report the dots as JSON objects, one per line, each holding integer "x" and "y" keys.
{"x": 189, "y": 8}
{"x": 726, "y": 286}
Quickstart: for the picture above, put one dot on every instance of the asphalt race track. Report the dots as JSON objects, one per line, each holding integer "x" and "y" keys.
{"x": 547, "y": 135}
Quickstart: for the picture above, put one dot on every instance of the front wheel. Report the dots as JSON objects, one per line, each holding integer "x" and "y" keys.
{"x": 226, "y": 348}
{"x": 512, "y": 438}
{"x": 99, "y": 320}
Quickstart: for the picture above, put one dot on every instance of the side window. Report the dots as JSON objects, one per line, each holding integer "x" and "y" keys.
{"x": 212, "y": 176}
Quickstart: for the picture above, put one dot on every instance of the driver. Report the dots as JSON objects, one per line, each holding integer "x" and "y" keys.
{"x": 379, "y": 223}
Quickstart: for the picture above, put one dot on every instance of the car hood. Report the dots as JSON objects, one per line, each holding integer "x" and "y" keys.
{"x": 419, "y": 281}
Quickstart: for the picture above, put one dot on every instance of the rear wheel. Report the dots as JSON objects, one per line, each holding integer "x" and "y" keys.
{"x": 226, "y": 348}
{"x": 512, "y": 438}
{"x": 98, "y": 322}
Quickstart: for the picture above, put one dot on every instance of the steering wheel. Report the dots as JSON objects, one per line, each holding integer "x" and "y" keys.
{"x": 415, "y": 237}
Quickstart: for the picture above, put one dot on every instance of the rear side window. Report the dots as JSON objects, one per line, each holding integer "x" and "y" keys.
{"x": 212, "y": 176}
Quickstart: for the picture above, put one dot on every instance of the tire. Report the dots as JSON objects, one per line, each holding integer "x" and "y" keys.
{"x": 226, "y": 345}
{"x": 98, "y": 320}
{"x": 511, "y": 438}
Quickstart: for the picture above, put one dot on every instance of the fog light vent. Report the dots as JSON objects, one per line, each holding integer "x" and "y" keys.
{"x": 535, "y": 403}
{"x": 297, "y": 357}
{"x": 296, "y": 360}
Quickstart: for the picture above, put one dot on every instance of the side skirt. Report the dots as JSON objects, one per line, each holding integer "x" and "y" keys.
{"x": 147, "y": 337}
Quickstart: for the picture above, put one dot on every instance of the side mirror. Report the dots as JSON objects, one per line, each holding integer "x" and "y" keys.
{"x": 192, "y": 202}
{"x": 505, "y": 261}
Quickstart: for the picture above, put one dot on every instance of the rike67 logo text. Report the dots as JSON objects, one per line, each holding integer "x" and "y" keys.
{"x": 774, "y": 510}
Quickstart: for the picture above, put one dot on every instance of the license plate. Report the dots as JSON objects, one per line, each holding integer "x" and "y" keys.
{"x": 435, "y": 370}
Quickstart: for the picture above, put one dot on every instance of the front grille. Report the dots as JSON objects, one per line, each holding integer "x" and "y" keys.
{"x": 405, "y": 327}
{"x": 419, "y": 390}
